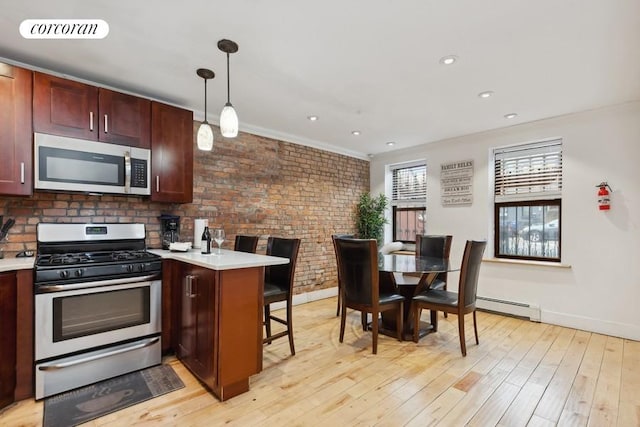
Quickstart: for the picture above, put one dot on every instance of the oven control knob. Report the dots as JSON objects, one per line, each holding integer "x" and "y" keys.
{"x": 130, "y": 268}
{"x": 78, "y": 273}
{"x": 140, "y": 267}
{"x": 64, "y": 274}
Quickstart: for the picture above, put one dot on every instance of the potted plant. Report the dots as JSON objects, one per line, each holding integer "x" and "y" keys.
{"x": 370, "y": 218}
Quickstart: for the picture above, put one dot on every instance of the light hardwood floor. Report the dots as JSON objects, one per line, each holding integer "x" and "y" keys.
{"x": 522, "y": 373}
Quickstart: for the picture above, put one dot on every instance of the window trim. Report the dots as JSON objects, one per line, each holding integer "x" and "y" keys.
{"x": 496, "y": 229}
{"x": 542, "y": 190}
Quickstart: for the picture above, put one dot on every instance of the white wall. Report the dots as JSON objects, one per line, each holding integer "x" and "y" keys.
{"x": 600, "y": 291}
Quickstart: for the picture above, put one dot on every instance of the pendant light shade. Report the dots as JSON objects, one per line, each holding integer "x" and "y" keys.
{"x": 205, "y": 133}
{"x": 205, "y": 137}
{"x": 228, "y": 121}
{"x": 228, "y": 116}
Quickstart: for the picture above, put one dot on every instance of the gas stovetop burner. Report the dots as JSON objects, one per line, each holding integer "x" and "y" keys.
{"x": 129, "y": 255}
{"x": 72, "y": 259}
{"x": 60, "y": 259}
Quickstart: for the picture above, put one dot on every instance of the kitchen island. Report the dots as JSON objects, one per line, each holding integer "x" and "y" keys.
{"x": 212, "y": 315}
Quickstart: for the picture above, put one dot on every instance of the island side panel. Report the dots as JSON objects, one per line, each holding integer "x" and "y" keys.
{"x": 240, "y": 299}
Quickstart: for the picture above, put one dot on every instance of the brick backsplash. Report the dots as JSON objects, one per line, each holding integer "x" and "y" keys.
{"x": 247, "y": 185}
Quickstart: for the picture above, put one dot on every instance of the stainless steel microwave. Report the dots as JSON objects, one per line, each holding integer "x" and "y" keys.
{"x": 70, "y": 164}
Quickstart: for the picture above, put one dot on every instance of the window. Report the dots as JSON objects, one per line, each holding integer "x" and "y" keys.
{"x": 527, "y": 197}
{"x": 408, "y": 199}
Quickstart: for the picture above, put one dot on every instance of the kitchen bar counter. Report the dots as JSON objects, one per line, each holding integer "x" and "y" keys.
{"x": 228, "y": 260}
{"x": 212, "y": 315}
{"x": 12, "y": 264}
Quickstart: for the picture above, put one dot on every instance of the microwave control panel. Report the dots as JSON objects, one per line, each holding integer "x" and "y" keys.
{"x": 138, "y": 173}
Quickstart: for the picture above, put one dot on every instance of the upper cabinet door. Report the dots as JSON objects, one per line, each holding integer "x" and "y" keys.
{"x": 16, "y": 135}
{"x": 124, "y": 119}
{"x": 171, "y": 154}
{"x": 64, "y": 107}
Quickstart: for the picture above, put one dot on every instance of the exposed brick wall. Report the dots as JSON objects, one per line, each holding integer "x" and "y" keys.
{"x": 247, "y": 185}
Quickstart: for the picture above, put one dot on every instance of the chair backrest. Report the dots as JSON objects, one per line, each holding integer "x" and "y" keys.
{"x": 469, "y": 271}
{"x": 335, "y": 250}
{"x": 246, "y": 243}
{"x": 282, "y": 275}
{"x": 435, "y": 246}
{"x": 358, "y": 264}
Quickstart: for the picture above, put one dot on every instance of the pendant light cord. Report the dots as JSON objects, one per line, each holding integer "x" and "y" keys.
{"x": 228, "y": 86}
{"x": 205, "y": 100}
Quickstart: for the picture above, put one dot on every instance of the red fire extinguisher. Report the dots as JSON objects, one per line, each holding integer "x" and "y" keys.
{"x": 604, "y": 202}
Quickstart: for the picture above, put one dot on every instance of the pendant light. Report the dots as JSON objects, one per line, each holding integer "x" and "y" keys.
{"x": 228, "y": 116}
{"x": 205, "y": 133}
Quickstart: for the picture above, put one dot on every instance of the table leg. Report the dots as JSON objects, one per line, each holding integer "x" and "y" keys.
{"x": 388, "y": 321}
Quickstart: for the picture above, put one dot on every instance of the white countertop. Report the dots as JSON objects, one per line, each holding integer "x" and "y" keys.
{"x": 228, "y": 260}
{"x": 9, "y": 264}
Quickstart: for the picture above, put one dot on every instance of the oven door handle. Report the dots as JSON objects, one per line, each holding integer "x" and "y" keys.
{"x": 96, "y": 284}
{"x": 63, "y": 365}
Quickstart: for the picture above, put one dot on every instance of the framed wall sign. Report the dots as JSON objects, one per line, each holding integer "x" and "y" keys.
{"x": 456, "y": 183}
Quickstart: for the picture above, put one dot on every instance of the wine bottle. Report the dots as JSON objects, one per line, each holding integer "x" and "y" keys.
{"x": 206, "y": 241}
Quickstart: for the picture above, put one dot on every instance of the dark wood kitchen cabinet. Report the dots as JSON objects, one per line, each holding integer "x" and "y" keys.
{"x": 219, "y": 325}
{"x": 16, "y": 336}
{"x": 24, "y": 335}
{"x": 8, "y": 304}
{"x": 197, "y": 322}
{"x": 171, "y": 154}
{"x": 69, "y": 108}
{"x": 16, "y": 135}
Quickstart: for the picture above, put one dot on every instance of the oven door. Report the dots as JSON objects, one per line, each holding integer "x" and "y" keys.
{"x": 85, "y": 318}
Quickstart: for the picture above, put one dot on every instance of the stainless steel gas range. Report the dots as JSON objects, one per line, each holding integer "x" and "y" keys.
{"x": 97, "y": 304}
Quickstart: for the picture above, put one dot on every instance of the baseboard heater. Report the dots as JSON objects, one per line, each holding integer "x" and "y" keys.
{"x": 513, "y": 308}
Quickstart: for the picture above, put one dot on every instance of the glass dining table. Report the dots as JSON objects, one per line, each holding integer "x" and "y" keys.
{"x": 415, "y": 275}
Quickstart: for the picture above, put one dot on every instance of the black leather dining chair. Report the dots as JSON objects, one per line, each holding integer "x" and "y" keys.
{"x": 278, "y": 286}
{"x": 245, "y": 243}
{"x": 437, "y": 246}
{"x": 461, "y": 303}
{"x": 333, "y": 239}
{"x": 358, "y": 263}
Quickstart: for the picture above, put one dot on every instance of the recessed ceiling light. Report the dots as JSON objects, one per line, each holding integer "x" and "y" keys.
{"x": 312, "y": 118}
{"x": 355, "y": 132}
{"x": 448, "y": 60}
{"x": 511, "y": 116}
{"x": 486, "y": 94}
{"x": 391, "y": 143}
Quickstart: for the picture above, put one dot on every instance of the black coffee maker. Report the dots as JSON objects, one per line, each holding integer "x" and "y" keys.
{"x": 169, "y": 229}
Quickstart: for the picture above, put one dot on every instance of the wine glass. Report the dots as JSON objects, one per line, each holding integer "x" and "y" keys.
{"x": 218, "y": 236}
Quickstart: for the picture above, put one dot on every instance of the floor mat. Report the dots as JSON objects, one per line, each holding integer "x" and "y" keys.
{"x": 87, "y": 403}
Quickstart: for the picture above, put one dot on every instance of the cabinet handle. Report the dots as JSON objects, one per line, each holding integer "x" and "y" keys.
{"x": 91, "y": 121}
{"x": 21, "y": 172}
{"x": 187, "y": 287}
{"x": 191, "y": 294}
{"x": 106, "y": 124}
{"x": 157, "y": 183}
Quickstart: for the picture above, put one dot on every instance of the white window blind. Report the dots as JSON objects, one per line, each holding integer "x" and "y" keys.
{"x": 409, "y": 186}
{"x": 528, "y": 172}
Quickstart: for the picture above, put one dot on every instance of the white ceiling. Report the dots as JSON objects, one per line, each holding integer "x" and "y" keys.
{"x": 367, "y": 65}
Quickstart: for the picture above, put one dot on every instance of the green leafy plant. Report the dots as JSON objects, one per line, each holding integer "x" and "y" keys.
{"x": 370, "y": 218}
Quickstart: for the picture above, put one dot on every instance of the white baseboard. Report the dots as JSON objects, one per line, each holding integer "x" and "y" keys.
{"x": 615, "y": 329}
{"x": 533, "y": 312}
{"x": 306, "y": 297}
